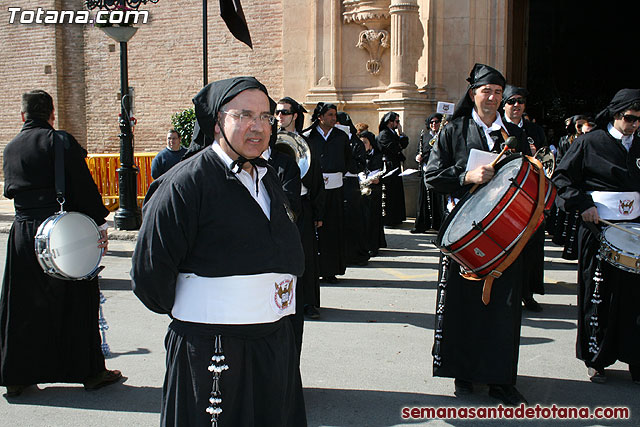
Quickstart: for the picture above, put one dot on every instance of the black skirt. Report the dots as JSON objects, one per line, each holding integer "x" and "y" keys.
{"x": 48, "y": 327}
{"x": 331, "y": 235}
{"x": 261, "y": 387}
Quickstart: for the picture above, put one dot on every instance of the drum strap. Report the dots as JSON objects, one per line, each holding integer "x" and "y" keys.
{"x": 58, "y": 146}
{"x": 529, "y": 230}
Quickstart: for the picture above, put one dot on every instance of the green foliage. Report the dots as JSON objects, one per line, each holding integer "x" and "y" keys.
{"x": 183, "y": 122}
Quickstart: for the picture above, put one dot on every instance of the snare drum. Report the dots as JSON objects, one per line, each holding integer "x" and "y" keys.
{"x": 621, "y": 249}
{"x": 484, "y": 226}
{"x": 66, "y": 246}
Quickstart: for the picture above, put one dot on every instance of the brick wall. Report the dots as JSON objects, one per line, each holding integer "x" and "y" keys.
{"x": 80, "y": 67}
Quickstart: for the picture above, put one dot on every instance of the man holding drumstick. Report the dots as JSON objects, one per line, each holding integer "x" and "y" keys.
{"x": 476, "y": 343}
{"x": 600, "y": 177}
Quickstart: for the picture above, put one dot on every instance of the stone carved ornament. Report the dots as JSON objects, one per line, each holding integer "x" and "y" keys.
{"x": 374, "y": 16}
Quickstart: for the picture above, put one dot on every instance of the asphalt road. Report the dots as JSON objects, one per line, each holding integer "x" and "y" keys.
{"x": 366, "y": 359}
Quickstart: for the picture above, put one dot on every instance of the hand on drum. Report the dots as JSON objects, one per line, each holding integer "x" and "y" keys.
{"x": 479, "y": 175}
{"x": 104, "y": 241}
{"x": 591, "y": 215}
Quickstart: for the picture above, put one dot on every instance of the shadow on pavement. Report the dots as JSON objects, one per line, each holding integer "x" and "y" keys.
{"x": 115, "y": 284}
{"x": 349, "y": 282}
{"x": 117, "y": 397}
{"x": 421, "y": 320}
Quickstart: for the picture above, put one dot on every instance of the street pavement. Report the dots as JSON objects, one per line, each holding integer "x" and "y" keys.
{"x": 366, "y": 358}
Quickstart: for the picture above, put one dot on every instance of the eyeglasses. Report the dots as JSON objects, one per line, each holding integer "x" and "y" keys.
{"x": 514, "y": 101}
{"x": 247, "y": 118}
{"x": 284, "y": 112}
{"x": 432, "y": 122}
{"x": 630, "y": 118}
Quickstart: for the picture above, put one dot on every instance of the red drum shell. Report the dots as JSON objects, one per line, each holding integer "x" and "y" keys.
{"x": 491, "y": 239}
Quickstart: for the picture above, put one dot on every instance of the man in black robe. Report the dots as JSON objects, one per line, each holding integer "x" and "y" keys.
{"x": 332, "y": 146}
{"x": 355, "y": 241}
{"x": 219, "y": 252}
{"x": 428, "y": 211}
{"x": 290, "y": 115}
{"x": 48, "y": 327}
{"x": 476, "y": 342}
{"x": 600, "y": 177}
{"x": 514, "y": 104}
{"x": 392, "y": 141}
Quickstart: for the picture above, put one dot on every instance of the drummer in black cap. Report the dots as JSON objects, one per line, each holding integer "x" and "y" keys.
{"x": 475, "y": 343}
{"x": 514, "y": 105}
{"x": 600, "y": 177}
{"x": 219, "y": 253}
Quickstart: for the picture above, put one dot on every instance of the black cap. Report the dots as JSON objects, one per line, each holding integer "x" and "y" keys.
{"x": 510, "y": 91}
{"x": 620, "y": 102}
{"x": 480, "y": 75}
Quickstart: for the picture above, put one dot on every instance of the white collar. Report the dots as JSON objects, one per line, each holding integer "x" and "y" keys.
{"x": 510, "y": 121}
{"x": 496, "y": 125}
{"x": 228, "y": 160}
{"x": 626, "y": 140}
{"x": 321, "y": 132}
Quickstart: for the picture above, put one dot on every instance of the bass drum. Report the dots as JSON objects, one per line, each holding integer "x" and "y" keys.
{"x": 66, "y": 246}
{"x": 485, "y": 226}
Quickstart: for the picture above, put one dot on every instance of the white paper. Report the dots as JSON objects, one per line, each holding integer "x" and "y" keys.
{"x": 445, "y": 107}
{"x": 479, "y": 157}
{"x": 408, "y": 172}
{"x": 391, "y": 173}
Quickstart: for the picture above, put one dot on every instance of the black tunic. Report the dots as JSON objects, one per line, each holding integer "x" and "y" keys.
{"x": 533, "y": 252}
{"x": 429, "y": 209}
{"x": 598, "y": 162}
{"x": 335, "y": 156}
{"x": 373, "y": 206}
{"x": 356, "y": 244}
{"x": 392, "y": 145}
{"x": 473, "y": 342}
{"x": 48, "y": 327}
{"x": 199, "y": 218}
{"x": 312, "y": 212}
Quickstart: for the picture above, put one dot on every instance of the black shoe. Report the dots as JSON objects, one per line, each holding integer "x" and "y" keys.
{"x": 15, "y": 390}
{"x": 597, "y": 375}
{"x": 311, "y": 312}
{"x": 373, "y": 254}
{"x": 532, "y": 305}
{"x": 508, "y": 394}
{"x": 463, "y": 387}
{"x": 331, "y": 279}
{"x": 417, "y": 231}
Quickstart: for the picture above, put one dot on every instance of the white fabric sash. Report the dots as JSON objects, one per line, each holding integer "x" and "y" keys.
{"x": 616, "y": 205}
{"x": 234, "y": 300}
{"x": 332, "y": 180}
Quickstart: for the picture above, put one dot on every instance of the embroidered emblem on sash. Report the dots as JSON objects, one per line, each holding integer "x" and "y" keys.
{"x": 326, "y": 180}
{"x": 283, "y": 295}
{"x": 625, "y": 207}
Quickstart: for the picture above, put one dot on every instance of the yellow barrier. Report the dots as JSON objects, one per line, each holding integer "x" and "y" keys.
{"x": 103, "y": 168}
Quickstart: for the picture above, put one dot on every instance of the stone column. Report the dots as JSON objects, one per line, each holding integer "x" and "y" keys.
{"x": 404, "y": 21}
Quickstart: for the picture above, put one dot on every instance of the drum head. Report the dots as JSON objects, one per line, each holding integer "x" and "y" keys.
{"x": 478, "y": 205}
{"x": 73, "y": 243}
{"x": 622, "y": 240}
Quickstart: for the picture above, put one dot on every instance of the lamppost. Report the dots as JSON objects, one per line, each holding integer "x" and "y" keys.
{"x": 127, "y": 217}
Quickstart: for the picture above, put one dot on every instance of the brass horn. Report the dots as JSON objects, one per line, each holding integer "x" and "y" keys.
{"x": 294, "y": 145}
{"x": 547, "y": 159}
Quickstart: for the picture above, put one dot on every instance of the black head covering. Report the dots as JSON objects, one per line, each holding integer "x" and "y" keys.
{"x": 620, "y": 102}
{"x": 480, "y": 75}
{"x": 431, "y": 117}
{"x": 209, "y": 101}
{"x": 570, "y": 123}
{"x": 295, "y": 108}
{"x": 386, "y": 119}
{"x": 371, "y": 137}
{"x": 321, "y": 109}
{"x": 510, "y": 91}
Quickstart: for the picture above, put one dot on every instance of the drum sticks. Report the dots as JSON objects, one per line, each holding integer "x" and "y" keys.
{"x": 618, "y": 227}
{"x": 509, "y": 144}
